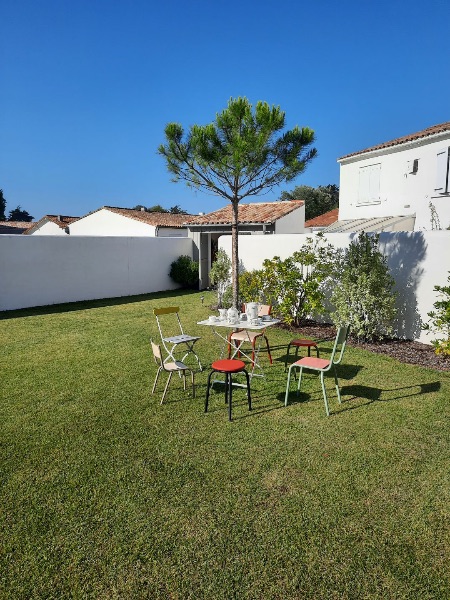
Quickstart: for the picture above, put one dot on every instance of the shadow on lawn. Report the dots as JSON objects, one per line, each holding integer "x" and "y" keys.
{"x": 374, "y": 394}
{"x": 87, "y": 304}
{"x": 362, "y": 392}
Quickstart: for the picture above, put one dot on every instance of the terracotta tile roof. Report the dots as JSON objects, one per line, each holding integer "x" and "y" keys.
{"x": 17, "y": 224}
{"x": 258, "y": 212}
{"x": 435, "y": 129}
{"x": 61, "y": 220}
{"x": 324, "y": 220}
{"x": 156, "y": 219}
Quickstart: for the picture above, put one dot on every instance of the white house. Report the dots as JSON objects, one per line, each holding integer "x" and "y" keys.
{"x": 259, "y": 218}
{"x": 51, "y": 225}
{"x": 400, "y": 185}
{"x": 113, "y": 221}
{"x": 322, "y": 221}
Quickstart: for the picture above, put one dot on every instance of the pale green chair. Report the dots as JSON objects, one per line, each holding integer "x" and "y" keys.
{"x": 322, "y": 365}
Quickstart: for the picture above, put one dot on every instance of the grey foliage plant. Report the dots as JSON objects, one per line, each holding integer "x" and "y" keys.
{"x": 364, "y": 296}
{"x": 219, "y": 275}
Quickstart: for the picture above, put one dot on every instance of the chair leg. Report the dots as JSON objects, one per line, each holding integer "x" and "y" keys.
{"x": 287, "y": 356}
{"x": 208, "y": 385}
{"x": 167, "y": 386}
{"x": 156, "y": 379}
{"x": 287, "y": 385}
{"x": 184, "y": 380}
{"x": 299, "y": 381}
{"x": 325, "y": 399}
{"x": 336, "y": 383}
{"x": 268, "y": 350}
{"x": 248, "y": 391}
{"x": 193, "y": 384}
{"x": 230, "y": 392}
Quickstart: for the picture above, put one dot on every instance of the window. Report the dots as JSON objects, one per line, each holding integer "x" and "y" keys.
{"x": 369, "y": 184}
{"x": 442, "y": 183}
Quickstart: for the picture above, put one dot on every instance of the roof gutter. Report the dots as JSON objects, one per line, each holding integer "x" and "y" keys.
{"x": 395, "y": 147}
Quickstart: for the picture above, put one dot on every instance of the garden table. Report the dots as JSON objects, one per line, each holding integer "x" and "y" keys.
{"x": 219, "y": 326}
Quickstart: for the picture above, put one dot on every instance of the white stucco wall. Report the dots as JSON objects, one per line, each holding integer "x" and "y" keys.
{"x": 418, "y": 261}
{"x": 48, "y": 228}
{"x": 294, "y": 222}
{"x": 172, "y": 232}
{"x": 401, "y": 192}
{"x": 107, "y": 223}
{"x": 41, "y": 270}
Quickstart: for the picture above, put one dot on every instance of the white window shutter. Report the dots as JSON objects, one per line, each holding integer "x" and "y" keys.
{"x": 369, "y": 184}
{"x": 442, "y": 171}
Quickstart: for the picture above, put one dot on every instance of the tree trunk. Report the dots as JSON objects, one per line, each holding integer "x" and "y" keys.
{"x": 235, "y": 254}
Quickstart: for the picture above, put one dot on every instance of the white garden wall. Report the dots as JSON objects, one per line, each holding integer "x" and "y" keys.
{"x": 418, "y": 261}
{"x": 41, "y": 270}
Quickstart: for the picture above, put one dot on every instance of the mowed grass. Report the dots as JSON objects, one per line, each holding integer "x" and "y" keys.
{"x": 106, "y": 494}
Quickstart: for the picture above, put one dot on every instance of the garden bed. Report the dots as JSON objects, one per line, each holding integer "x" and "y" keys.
{"x": 406, "y": 351}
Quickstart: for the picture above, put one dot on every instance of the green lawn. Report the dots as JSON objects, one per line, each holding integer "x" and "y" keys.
{"x": 106, "y": 494}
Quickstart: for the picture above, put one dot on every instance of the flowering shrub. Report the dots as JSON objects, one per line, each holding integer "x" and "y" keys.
{"x": 440, "y": 320}
{"x": 295, "y": 286}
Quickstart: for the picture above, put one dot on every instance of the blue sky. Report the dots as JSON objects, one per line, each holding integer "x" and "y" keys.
{"x": 87, "y": 87}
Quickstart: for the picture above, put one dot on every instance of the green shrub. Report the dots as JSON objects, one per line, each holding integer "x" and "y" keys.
{"x": 251, "y": 284}
{"x": 440, "y": 320}
{"x": 184, "y": 271}
{"x": 296, "y": 286}
{"x": 363, "y": 297}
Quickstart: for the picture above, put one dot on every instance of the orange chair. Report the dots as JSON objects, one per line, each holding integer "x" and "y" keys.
{"x": 245, "y": 335}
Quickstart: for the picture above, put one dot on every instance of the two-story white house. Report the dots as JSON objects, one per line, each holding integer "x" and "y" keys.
{"x": 400, "y": 185}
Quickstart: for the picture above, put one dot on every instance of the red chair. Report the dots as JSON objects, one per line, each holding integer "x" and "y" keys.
{"x": 228, "y": 367}
{"x": 300, "y": 343}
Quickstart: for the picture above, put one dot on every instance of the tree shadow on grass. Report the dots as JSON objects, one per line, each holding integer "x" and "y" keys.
{"x": 88, "y": 304}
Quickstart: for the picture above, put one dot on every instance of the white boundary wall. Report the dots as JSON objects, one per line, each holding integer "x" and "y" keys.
{"x": 418, "y": 261}
{"x": 40, "y": 270}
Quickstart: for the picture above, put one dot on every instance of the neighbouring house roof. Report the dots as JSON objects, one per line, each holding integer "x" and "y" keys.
{"x": 157, "y": 219}
{"x": 430, "y": 131}
{"x": 62, "y": 221}
{"x": 324, "y": 220}
{"x": 14, "y": 227}
{"x": 375, "y": 224}
{"x": 264, "y": 213}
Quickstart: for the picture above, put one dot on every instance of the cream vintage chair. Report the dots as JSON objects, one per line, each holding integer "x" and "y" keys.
{"x": 169, "y": 318}
{"x": 322, "y": 365}
{"x": 171, "y": 368}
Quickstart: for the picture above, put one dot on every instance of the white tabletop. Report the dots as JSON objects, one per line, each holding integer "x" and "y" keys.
{"x": 239, "y": 324}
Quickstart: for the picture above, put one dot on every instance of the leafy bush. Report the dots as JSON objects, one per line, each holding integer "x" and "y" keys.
{"x": 184, "y": 271}
{"x": 251, "y": 284}
{"x": 296, "y": 286}
{"x": 220, "y": 275}
{"x": 363, "y": 298}
{"x": 440, "y": 320}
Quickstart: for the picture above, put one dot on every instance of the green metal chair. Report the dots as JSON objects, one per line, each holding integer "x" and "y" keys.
{"x": 322, "y": 365}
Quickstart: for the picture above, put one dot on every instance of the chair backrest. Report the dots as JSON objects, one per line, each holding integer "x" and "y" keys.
{"x": 168, "y": 310}
{"x": 157, "y": 354}
{"x": 264, "y": 309}
{"x": 339, "y": 344}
